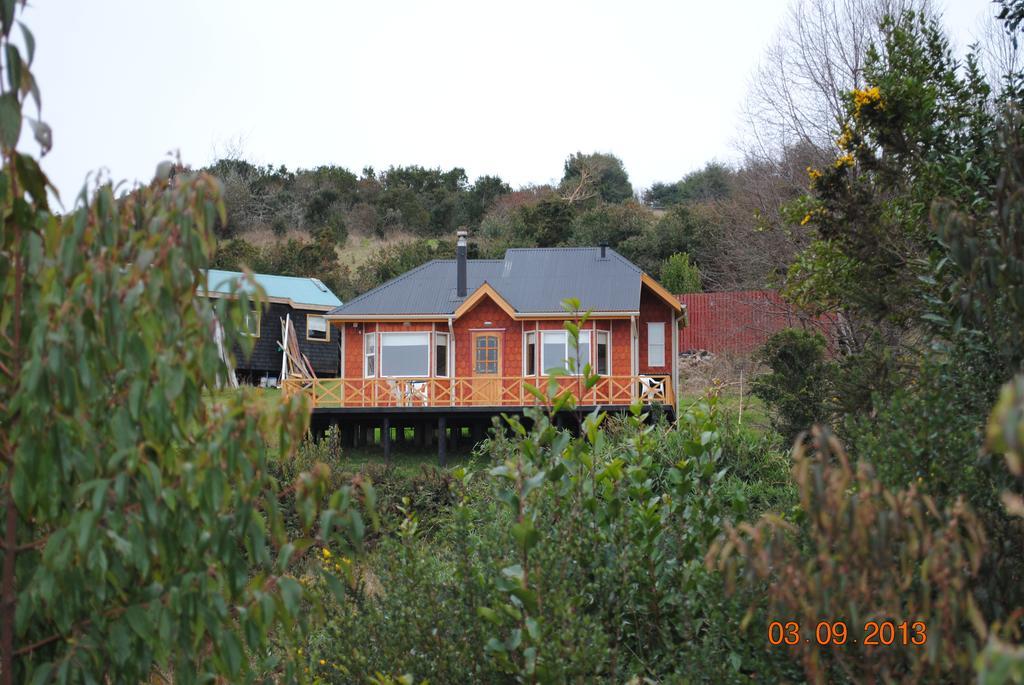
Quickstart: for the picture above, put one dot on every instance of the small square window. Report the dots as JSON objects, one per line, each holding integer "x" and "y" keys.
{"x": 317, "y": 328}
{"x": 251, "y": 325}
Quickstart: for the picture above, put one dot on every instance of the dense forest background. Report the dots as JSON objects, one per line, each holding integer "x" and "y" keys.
{"x": 356, "y": 231}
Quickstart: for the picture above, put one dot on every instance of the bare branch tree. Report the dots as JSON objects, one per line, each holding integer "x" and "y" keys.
{"x": 998, "y": 53}
{"x": 584, "y": 189}
{"x": 796, "y": 93}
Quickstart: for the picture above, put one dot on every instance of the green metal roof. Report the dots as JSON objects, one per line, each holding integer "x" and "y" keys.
{"x": 300, "y": 291}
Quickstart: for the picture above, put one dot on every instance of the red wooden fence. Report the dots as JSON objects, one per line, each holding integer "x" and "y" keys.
{"x": 737, "y": 322}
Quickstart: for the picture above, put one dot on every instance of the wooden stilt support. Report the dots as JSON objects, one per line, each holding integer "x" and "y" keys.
{"x": 442, "y": 441}
{"x": 385, "y": 439}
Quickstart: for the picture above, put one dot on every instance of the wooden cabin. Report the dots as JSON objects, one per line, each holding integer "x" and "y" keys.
{"x": 303, "y": 305}
{"x": 466, "y": 336}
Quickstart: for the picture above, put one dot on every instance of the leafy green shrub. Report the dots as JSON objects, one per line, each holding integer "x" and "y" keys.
{"x": 679, "y": 275}
{"x": 581, "y": 559}
{"x": 930, "y": 432}
{"x": 144, "y": 534}
{"x": 1002, "y": 661}
{"x": 796, "y": 389}
{"x": 759, "y": 466}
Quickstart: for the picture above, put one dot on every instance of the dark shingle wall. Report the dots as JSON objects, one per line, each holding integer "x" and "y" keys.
{"x": 266, "y": 354}
{"x": 324, "y": 356}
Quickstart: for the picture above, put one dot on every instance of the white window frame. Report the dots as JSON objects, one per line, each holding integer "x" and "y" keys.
{"x": 655, "y": 351}
{"x": 527, "y": 337}
{"x": 369, "y": 353}
{"x": 381, "y": 347}
{"x": 607, "y": 335}
{"x": 582, "y": 362}
{"x": 327, "y": 328}
{"x": 447, "y": 355}
{"x": 246, "y": 325}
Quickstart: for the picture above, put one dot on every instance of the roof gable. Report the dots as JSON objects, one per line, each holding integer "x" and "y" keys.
{"x": 480, "y": 293}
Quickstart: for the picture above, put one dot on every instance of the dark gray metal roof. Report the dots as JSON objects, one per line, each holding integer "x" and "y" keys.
{"x": 532, "y": 280}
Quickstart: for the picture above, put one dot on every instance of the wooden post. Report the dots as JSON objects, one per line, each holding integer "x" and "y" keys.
{"x": 442, "y": 441}
{"x": 741, "y": 397}
{"x": 456, "y": 434}
{"x": 385, "y": 439}
{"x": 478, "y": 431}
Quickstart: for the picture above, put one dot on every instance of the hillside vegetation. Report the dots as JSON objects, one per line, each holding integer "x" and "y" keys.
{"x": 357, "y": 231}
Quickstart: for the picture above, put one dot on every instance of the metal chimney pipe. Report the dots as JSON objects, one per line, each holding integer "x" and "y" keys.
{"x": 460, "y": 263}
{"x": 604, "y": 250}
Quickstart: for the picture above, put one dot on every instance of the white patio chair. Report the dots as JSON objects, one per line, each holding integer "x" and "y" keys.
{"x": 652, "y": 389}
{"x": 416, "y": 393}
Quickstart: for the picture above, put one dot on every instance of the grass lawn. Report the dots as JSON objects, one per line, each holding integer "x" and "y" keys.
{"x": 754, "y": 414}
{"x": 406, "y": 460}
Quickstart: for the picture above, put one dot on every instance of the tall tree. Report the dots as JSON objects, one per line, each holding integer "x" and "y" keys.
{"x": 142, "y": 533}
{"x": 796, "y": 96}
{"x": 595, "y": 175}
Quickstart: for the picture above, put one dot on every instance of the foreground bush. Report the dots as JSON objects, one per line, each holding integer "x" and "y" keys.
{"x": 861, "y": 553}
{"x": 582, "y": 562}
{"x": 142, "y": 533}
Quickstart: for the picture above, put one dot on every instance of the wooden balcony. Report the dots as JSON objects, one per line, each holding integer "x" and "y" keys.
{"x": 474, "y": 392}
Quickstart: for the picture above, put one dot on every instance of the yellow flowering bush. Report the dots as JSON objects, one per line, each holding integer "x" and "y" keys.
{"x": 845, "y": 139}
{"x": 867, "y": 97}
{"x": 844, "y": 161}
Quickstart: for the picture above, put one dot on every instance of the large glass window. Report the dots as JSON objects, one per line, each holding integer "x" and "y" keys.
{"x": 441, "y": 355}
{"x": 603, "y": 352}
{"x": 370, "y": 355}
{"x": 656, "y": 343}
{"x": 557, "y": 349}
{"x": 316, "y": 328}
{"x": 404, "y": 355}
{"x": 530, "y": 354}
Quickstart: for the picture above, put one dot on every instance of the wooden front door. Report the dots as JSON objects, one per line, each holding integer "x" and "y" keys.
{"x": 486, "y": 368}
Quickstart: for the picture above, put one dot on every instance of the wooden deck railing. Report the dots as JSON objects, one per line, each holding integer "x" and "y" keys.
{"x": 473, "y": 392}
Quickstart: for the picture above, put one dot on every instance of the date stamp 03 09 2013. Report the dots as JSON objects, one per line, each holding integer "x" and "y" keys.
{"x": 875, "y": 633}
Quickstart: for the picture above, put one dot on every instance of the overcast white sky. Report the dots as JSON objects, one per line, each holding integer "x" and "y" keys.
{"x": 496, "y": 88}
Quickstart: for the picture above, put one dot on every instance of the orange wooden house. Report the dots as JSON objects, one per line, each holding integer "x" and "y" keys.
{"x": 463, "y": 337}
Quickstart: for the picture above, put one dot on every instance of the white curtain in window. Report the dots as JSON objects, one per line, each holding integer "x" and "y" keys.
{"x": 656, "y": 343}
{"x": 583, "y": 358}
{"x": 552, "y": 350}
{"x": 316, "y": 326}
{"x": 405, "y": 354}
{"x": 557, "y": 349}
{"x": 370, "y": 355}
